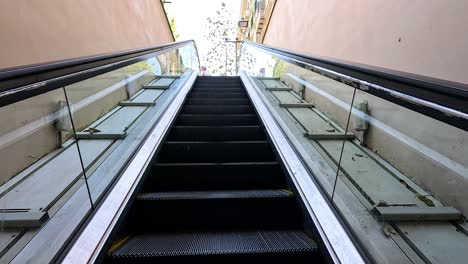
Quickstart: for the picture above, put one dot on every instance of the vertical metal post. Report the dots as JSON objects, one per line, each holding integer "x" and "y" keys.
{"x": 225, "y": 47}
{"x": 235, "y": 51}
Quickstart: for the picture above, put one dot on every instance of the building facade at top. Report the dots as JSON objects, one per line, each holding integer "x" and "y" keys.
{"x": 420, "y": 37}
{"x": 254, "y": 18}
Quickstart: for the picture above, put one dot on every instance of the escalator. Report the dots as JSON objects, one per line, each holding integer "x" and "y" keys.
{"x": 132, "y": 158}
{"x": 216, "y": 192}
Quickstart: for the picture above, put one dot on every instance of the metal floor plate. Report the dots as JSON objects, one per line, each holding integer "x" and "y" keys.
{"x": 311, "y": 121}
{"x": 147, "y": 96}
{"x": 376, "y": 180}
{"x": 286, "y": 97}
{"x": 45, "y": 185}
{"x": 370, "y": 177}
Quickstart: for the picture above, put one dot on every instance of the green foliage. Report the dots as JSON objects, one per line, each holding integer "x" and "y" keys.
{"x": 173, "y": 28}
{"x": 280, "y": 67}
{"x": 136, "y": 68}
{"x": 171, "y": 23}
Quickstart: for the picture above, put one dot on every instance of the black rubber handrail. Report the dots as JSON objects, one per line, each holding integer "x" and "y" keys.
{"x": 20, "y": 83}
{"x": 443, "y": 100}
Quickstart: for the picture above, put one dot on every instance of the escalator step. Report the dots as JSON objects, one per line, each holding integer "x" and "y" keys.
{"x": 217, "y": 120}
{"x": 217, "y": 80}
{"x": 221, "y": 110}
{"x": 215, "y": 192}
{"x": 219, "y": 85}
{"x": 233, "y": 151}
{"x": 215, "y": 210}
{"x": 218, "y": 95}
{"x": 217, "y": 102}
{"x": 214, "y": 176}
{"x": 200, "y": 195}
{"x": 225, "y": 247}
{"x": 220, "y": 82}
{"x": 216, "y": 133}
{"x": 218, "y": 90}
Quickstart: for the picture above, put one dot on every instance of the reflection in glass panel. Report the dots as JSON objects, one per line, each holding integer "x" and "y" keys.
{"x": 194, "y": 58}
{"x": 40, "y": 172}
{"x": 406, "y": 164}
{"x": 403, "y": 177}
{"x": 61, "y": 150}
{"x": 113, "y": 112}
{"x": 308, "y": 104}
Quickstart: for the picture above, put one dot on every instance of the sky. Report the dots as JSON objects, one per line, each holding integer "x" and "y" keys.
{"x": 190, "y": 18}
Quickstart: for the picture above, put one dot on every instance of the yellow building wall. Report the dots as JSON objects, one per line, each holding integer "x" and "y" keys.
{"x": 38, "y": 31}
{"x": 426, "y": 37}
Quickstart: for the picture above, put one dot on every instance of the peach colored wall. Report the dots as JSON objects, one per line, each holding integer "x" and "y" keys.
{"x": 432, "y": 33}
{"x": 36, "y": 31}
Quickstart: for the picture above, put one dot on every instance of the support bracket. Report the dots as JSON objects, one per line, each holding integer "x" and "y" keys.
{"x": 131, "y": 103}
{"x": 329, "y": 136}
{"x": 101, "y": 135}
{"x": 411, "y": 213}
{"x": 296, "y": 105}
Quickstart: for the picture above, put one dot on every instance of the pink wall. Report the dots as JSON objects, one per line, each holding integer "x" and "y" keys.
{"x": 35, "y": 31}
{"x": 433, "y": 33}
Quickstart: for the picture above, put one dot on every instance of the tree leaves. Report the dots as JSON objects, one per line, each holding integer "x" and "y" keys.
{"x": 220, "y": 27}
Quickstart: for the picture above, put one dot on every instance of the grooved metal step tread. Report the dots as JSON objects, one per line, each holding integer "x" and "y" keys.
{"x": 214, "y": 243}
{"x": 217, "y": 109}
{"x": 210, "y": 176}
{"x": 217, "y": 120}
{"x": 226, "y": 115}
{"x": 201, "y": 195}
{"x": 218, "y": 79}
{"x": 216, "y": 164}
{"x": 217, "y": 95}
{"x": 218, "y": 85}
{"x": 222, "y": 82}
{"x": 208, "y": 211}
{"x": 216, "y": 133}
{"x": 217, "y": 143}
{"x": 218, "y": 90}
{"x": 218, "y": 106}
{"x": 226, "y": 93}
{"x": 216, "y": 127}
{"x": 217, "y": 101}
{"x": 216, "y": 151}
